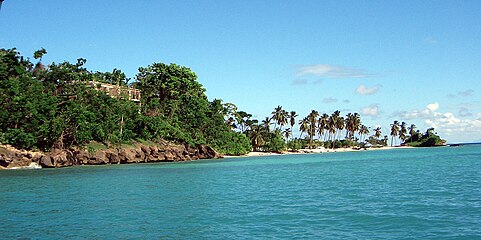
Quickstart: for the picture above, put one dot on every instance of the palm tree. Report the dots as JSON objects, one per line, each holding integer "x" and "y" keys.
{"x": 353, "y": 122}
{"x": 303, "y": 126}
{"x": 287, "y": 133}
{"x": 266, "y": 123}
{"x": 312, "y": 117}
{"x": 279, "y": 116}
{"x": 340, "y": 126}
{"x": 403, "y": 131}
{"x": 322, "y": 124}
{"x": 333, "y": 125}
{"x": 292, "y": 117}
{"x": 363, "y": 130}
{"x": 377, "y": 133}
{"x": 412, "y": 131}
{"x": 394, "y": 131}
{"x": 256, "y": 134}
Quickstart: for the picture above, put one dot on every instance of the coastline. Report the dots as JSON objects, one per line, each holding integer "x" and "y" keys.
{"x": 162, "y": 151}
{"x": 315, "y": 151}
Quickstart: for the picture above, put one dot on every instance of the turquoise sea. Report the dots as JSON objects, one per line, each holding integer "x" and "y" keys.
{"x": 432, "y": 193}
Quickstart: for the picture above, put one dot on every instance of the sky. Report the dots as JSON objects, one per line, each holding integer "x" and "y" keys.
{"x": 412, "y": 61}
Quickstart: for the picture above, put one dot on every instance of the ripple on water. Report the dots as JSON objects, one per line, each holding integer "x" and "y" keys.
{"x": 421, "y": 193}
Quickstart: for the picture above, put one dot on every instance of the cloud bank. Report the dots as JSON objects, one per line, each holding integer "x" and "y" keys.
{"x": 447, "y": 124}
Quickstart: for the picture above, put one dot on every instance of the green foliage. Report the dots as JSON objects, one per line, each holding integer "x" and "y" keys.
{"x": 19, "y": 138}
{"x": 294, "y": 145}
{"x": 59, "y": 106}
{"x": 376, "y": 141}
{"x": 275, "y": 143}
{"x": 428, "y": 139}
{"x": 232, "y": 143}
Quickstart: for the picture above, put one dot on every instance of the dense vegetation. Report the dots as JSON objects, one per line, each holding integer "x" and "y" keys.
{"x": 275, "y": 132}
{"x": 61, "y": 105}
{"x": 58, "y": 106}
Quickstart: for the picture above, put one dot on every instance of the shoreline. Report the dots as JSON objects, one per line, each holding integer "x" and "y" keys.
{"x": 314, "y": 151}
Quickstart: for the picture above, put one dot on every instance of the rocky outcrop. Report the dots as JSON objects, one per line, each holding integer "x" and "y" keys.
{"x": 138, "y": 153}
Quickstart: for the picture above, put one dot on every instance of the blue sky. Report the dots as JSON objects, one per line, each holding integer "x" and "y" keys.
{"x": 413, "y": 61}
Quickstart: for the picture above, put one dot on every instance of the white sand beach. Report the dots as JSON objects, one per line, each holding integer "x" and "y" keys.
{"x": 316, "y": 151}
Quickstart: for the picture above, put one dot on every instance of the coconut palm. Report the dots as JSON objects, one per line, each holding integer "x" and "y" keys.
{"x": 287, "y": 133}
{"x": 303, "y": 126}
{"x": 292, "y": 118}
{"x": 340, "y": 126}
{"x": 353, "y": 122}
{"x": 257, "y": 135}
{"x": 394, "y": 131}
{"x": 403, "y": 131}
{"x": 330, "y": 127}
{"x": 279, "y": 116}
{"x": 377, "y": 133}
{"x": 412, "y": 131}
{"x": 363, "y": 130}
{"x": 333, "y": 124}
{"x": 312, "y": 118}
{"x": 266, "y": 123}
{"x": 322, "y": 124}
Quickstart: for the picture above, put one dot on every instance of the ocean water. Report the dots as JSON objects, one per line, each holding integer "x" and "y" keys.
{"x": 430, "y": 193}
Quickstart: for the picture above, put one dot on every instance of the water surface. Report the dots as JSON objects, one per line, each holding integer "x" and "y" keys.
{"x": 392, "y": 194}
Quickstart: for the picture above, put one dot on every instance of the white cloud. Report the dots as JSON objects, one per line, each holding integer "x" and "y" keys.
{"x": 449, "y": 126}
{"x": 331, "y": 71}
{"x": 329, "y": 100}
{"x": 363, "y": 90}
{"x": 453, "y": 128}
{"x": 433, "y": 106}
{"x": 371, "y": 110}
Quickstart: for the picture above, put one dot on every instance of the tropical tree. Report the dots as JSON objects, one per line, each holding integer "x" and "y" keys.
{"x": 266, "y": 123}
{"x": 312, "y": 118}
{"x": 304, "y": 126}
{"x": 412, "y": 131}
{"x": 257, "y": 135}
{"x": 322, "y": 124}
{"x": 340, "y": 126}
{"x": 39, "y": 54}
{"x": 280, "y": 117}
{"x": 292, "y": 118}
{"x": 377, "y": 132}
{"x": 394, "y": 131}
{"x": 363, "y": 130}
{"x": 287, "y": 133}
{"x": 333, "y": 125}
{"x": 403, "y": 131}
{"x": 353, "y": 122}
{"x": 243, "y": 120}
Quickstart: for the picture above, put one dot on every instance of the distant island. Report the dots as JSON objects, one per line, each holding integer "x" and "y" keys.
{"x": 66, "y": 109}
